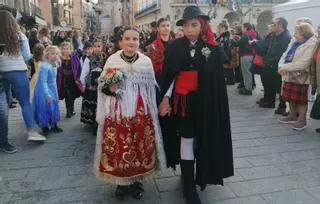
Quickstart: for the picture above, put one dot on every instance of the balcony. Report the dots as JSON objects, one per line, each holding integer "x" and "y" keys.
{"x": 35, "y": 10}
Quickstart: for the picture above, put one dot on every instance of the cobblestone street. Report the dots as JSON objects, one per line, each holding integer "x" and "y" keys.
{"x": 273, "y": 164}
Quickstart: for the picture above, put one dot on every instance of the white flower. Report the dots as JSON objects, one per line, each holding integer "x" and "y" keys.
{"x": 206, "y": 52}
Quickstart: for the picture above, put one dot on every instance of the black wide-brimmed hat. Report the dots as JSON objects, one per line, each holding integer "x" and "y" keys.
{"x": 191, "y": 12}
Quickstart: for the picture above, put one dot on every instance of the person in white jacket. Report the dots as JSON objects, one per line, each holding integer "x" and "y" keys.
{"x": 294, "y": 67}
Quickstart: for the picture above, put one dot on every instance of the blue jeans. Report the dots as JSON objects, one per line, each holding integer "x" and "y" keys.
{"x": 4, "y": 112}
{"x": 19, "y": 83}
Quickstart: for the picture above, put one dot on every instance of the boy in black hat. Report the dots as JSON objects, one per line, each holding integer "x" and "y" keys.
{"x": 198, "y": 124}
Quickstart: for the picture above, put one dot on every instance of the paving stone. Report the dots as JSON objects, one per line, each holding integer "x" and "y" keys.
{"x": 237, "y": 177}
{"x": 213, "y": 193}
{"x": 260, "y": 172}
{"x": 264, "y": 160}
{"x": 245, "y": 143}
{"x": 241, "y": 163}
{"x": 168, "y": 184}
{"x": 298, "y": 196}
{"x": 300, "y": 167}
{"x": 314, "y": 192}
{"x": 244, "y": 200}
{"x": 165, "y": 173}
{"x": 261, "y": 186}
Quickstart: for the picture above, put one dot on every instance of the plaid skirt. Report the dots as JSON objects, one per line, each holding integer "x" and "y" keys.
{"x": 295, "y": 93}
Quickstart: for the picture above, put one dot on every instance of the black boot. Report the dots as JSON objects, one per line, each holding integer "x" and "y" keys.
{"x": 45, "y": 131}
{"x": 189, "y": 187}
{"x": 136, "y": 190}
{"x": 121, "y": 192}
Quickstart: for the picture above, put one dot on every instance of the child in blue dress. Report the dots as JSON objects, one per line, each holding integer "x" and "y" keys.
{"x": 45, "y": 99}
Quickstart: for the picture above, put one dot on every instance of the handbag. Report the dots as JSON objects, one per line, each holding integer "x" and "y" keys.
{"x": 258, "y": 61}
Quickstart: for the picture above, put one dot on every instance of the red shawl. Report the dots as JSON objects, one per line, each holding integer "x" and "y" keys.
{"x": 156, "y": 54}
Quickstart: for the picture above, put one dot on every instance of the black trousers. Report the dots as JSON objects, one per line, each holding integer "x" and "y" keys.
{"x": 229, "y": 75}
{"x": 69, "y": 103}
{"x": 271, "y": 82}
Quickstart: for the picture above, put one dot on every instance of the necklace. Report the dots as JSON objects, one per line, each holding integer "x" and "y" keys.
{"x": 131, "y": 59}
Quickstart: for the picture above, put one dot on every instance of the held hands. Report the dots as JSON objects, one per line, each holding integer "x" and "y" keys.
{"x": 164, "y": 107}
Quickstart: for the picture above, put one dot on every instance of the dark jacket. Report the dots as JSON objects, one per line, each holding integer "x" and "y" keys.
{"x": 272, "y": 48}
{"x": 213, "y": 139}
{"x": 245, "y": 49}
{"x": 225, "y": 44}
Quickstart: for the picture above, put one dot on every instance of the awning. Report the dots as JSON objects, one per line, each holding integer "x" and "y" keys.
{"x": 40, "y": 21}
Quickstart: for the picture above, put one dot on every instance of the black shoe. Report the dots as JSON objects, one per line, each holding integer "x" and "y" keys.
{"x": 318, "y": 130}
{"x": 121, "y": 192}
{"x": 189, "y": 187}
{"x": 280, "y": 111}
{"x": 70, "y": 114}
{"x": 267, "y": 105}
{"x": 245, "y": 92}
{"x": 261, "y": 100}
{"x": 137, "y": 190}
{"x": 8, "y": 148}
{"x": 240, "y": 86}
{"x": 56, "y": 129}
{"x": 45, "y": 131}
{"x": 285, "y": 114}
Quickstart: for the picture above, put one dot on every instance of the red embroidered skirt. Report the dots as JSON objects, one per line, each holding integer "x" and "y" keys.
{"x": 128, "y": 146}
{"x": 295, "y": 93}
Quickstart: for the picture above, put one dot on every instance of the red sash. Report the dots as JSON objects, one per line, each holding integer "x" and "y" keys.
{"x": 186, "y": 81}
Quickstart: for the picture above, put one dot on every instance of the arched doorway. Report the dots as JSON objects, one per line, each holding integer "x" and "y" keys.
{"x": 232, "y": 17}
{"x": 264, "y": 19}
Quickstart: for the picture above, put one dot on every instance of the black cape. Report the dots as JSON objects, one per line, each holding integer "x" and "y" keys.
{"x": 213, "y": 143}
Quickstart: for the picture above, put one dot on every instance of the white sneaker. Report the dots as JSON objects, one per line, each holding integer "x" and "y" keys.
{"x": 35, "y": 136}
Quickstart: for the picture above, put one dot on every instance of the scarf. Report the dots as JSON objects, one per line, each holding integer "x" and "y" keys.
{"x": 292, "y": 50}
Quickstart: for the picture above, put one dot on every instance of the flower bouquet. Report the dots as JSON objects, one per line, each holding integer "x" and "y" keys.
{"x": 111, "y": 79}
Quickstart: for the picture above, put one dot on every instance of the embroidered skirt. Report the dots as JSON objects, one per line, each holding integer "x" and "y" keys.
{"x": 128, "y": 148}
{"x": 89, "y": 107}
{"x": 295, "y": 93}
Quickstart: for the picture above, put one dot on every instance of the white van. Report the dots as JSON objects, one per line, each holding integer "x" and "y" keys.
{"x": 298, "y": 8}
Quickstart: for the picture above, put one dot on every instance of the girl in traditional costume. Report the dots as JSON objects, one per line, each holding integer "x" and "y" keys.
{"x": 45, "y": 99}
{"x": 193, "y": 84}
{"x": 129, "y": 143}
{"x": 69, "y": 85}
{"x": 91, "y": 71}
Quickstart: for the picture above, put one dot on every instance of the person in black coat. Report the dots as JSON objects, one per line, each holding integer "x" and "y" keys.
{"x": 224, "y": 41}
{"x": 272, "y": 49}
{"x": 195, "y": 104}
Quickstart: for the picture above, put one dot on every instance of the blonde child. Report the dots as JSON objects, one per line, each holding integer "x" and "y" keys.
{"x": 69, "y": 85}
{"x": 45, "y": 98}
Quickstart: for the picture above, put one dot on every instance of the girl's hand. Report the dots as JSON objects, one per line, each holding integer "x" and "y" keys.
{"x": 113, "y": 88}
{"x": 164, "y": 107}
